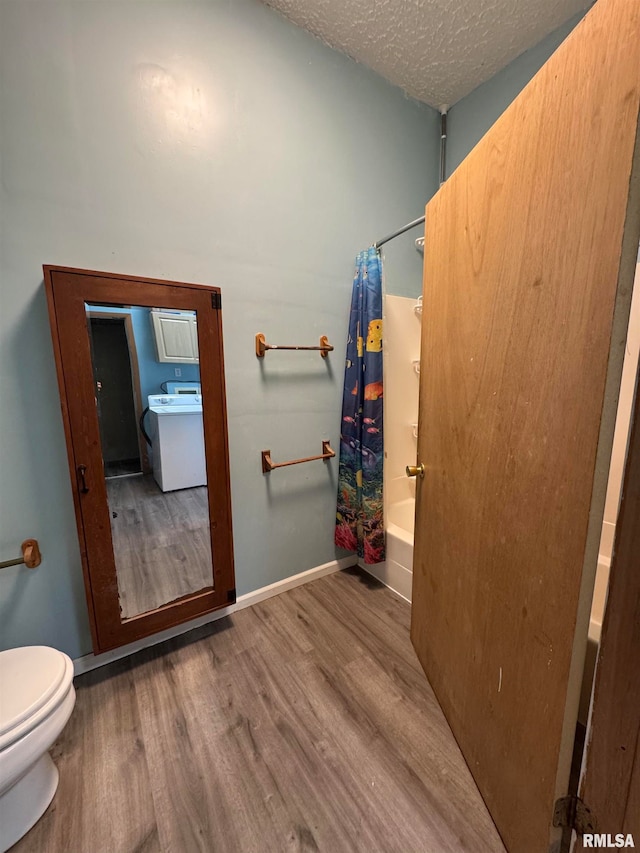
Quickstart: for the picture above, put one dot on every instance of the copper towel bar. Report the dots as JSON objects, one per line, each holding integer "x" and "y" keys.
{"x": 262, "y": 346}
{"x": 268, "y": 465}
{"x": 30, "y": 556}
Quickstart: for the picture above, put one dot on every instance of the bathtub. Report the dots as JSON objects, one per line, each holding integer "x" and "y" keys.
{"x": 593, "y": 640}
{"x": 397, "y": 570}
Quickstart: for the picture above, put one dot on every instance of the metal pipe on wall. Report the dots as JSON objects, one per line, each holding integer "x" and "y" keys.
{"x": 444, "y": 109}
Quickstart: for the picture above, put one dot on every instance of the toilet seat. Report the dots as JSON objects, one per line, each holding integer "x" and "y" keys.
{"x": 34, "y": 680}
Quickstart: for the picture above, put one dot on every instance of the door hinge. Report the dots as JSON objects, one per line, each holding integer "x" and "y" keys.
{"x": 216, "y": 300}
{"x": 231, "y": 595}
{"x": 573, "y": 813}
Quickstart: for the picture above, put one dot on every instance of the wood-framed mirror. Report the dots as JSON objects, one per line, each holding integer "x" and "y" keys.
{"x": 141, "y": 375}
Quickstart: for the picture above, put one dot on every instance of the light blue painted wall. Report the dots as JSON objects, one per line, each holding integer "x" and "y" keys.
{"x": 208, "y": 142}
{"x": 471, "y": 118}
{"x": 401, "y": 261}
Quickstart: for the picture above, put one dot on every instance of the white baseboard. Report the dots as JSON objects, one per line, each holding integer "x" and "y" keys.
{"x": 88, "y": 662}
{"x": 392, "y": 575}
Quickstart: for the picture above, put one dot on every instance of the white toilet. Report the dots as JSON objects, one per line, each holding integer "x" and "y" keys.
{"x": 36, "y": 700}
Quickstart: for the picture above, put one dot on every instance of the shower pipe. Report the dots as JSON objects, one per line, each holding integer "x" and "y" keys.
{"x": 443, "y": 152}
{"x": 443, "y": 143}
{"x": 398, "y": 232}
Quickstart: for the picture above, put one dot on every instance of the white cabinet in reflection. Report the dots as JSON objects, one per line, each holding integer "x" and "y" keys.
{"x": 176, "y": 336}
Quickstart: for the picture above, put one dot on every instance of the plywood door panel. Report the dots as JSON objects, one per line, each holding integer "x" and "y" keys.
{"x": 529, "y": 255}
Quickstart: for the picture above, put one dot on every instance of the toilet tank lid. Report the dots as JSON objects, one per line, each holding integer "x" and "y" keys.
{"x": 29, "y": 677}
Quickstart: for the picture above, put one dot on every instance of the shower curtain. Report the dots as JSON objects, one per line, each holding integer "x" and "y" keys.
{"x": 359, "y": 515}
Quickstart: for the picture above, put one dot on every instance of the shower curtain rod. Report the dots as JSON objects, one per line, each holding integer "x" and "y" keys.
{"x": 398, "y": 232}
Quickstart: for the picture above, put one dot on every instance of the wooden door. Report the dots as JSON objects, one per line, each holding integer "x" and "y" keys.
{"x": 529, "y": 256}
{"x": 156, "y": 556}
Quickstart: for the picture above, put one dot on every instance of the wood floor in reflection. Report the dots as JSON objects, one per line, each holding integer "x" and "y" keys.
{"x": 161, "y": 542}
{"x": 303, "y": 723}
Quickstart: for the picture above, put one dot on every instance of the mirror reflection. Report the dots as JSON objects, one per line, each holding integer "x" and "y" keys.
{"x": 149, "y": 402}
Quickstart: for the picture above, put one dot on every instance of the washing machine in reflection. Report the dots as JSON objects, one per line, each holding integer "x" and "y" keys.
{"x": 177, "y": 433}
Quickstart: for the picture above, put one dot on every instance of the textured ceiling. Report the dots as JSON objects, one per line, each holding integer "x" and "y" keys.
{"x": 436, "y": 50}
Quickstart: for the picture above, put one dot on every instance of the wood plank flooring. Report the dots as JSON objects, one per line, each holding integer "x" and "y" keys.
{"x": 303, "y": 723}
{"x": 161, "y": 542}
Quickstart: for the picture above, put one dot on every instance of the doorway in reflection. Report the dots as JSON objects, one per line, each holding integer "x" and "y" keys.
{"x": 150, "y": 412}
{"x": 115, "y": 395}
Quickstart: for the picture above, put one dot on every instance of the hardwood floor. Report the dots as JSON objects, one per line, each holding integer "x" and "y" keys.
{"x": 303, "y": 723}
{"x": 161, "y": 542}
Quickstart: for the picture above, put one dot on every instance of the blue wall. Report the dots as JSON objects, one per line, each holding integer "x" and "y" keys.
{"x": 207, "y": 142}
{"x": 152, "y": 373}
{"x": 471, "y": 118}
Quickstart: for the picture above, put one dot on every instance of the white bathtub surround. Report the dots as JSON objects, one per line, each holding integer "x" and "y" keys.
{"x": 402, "y": 326}
{"x": 401, "y": 383}
{"x": 595, "y": 629}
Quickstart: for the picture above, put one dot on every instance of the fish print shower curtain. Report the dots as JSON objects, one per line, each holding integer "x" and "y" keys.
{"x": 359, "y": 515}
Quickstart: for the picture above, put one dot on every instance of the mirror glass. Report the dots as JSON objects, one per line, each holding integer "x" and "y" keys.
{"x": 149, "y": 403}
